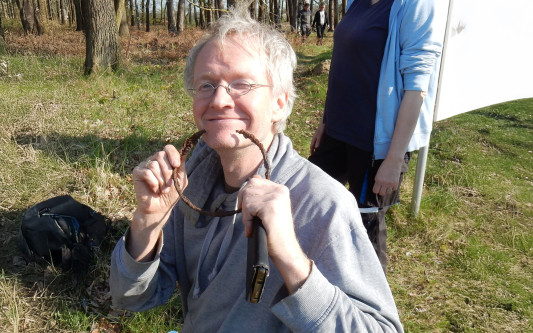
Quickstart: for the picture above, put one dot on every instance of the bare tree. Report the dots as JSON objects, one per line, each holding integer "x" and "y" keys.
{"x": 79, "y": 16}
{"x": 31, "y": 16}
{"x": 132, "y": 13}
{"x": 147, "y": 16}
{"x": 336, "y": 13}
{"x": 292, "y": 13}
{"x": 219, "y": 6}
{"x": 170, "y": 16}
{"x": 137, "y": 15}
{"x": 253, "y": 9}
{"x": 332, "y": 24}
{"x": 121, "y": 18}
{"x": 180, "y": 17}
{"x": 2, "y": 37}
{"x": 277, "y": 13}
{"x": 102, "y": 49}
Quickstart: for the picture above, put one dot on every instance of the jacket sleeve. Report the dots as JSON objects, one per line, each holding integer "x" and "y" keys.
{"x": 138, "y": 286}
{"x": 347, "y": 290}
{"x": 420, "y": 36}
{"x": 346, "y": 294}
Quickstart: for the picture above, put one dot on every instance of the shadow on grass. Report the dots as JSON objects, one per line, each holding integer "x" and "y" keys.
{"x": 119, "y": 155}
{"x": 53, "y": 285}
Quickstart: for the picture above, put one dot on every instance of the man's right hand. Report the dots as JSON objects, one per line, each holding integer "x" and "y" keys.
{"x": 317, "y": 137}
{"x": 156, "y": 195}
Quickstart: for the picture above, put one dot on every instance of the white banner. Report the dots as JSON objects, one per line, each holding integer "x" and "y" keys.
{"x": 487, "y": 56}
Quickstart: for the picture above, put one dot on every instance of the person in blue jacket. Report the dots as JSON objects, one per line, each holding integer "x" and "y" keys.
{"x": 380, "y": 100}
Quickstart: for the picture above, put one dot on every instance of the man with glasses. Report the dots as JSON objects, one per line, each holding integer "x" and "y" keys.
{"x": 324, "y": 274}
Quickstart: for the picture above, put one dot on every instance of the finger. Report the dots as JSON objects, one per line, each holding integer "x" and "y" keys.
{"x": 246, "y": 217}
{"x": 246, "y": 198}
{"x": 174, "y": 157}
{"x": 317, "y": 142}
{"x": 144, "y": 176}
{"x": 156, "y": 167}
{"x": 177, "y": 161}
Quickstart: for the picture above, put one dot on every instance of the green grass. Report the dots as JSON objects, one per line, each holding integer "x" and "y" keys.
{"x": 464, "y": 264}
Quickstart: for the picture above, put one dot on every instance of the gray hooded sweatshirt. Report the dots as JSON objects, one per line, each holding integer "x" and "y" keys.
{"x": 346, "y": 291}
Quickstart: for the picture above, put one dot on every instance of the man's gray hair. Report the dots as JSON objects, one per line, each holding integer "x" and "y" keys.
{"x": 279, "y": 57}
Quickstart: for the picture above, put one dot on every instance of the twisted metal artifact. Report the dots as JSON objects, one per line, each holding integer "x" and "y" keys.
{"x": 188, "y": 145}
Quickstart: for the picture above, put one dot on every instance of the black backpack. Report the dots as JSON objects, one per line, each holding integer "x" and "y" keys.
{"x": 64, "y": 233}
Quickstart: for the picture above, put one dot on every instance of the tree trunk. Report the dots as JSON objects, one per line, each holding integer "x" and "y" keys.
{"x": 219, "y": 4}
{"x": 79, "y": 16}
{"x": 102, "y": 50}
{"x": 343, "y": 8}
{"x": 137, "y": 15}
{"x": 253, "y": 9}
{"x": 147, "y": 16}
{"x": 170, "y": 16}
{"x": 121, "y": 18}
{"x": 180, "y": 17}
{"x": 41, "y": 17}
{"x": 292, "y": 6}
{"x": 196, "y": 18}
{"x": 190, "y": 13}
{"x": 336, "y": 13}
{"x": 330, "y": 14}
{"x": 2, "y": 37}
{"x": 261, "y": 11}
{"x": 132, "y": 13}
{"x": 62, "y": 12}
{"x": 277, "y": 13}
{"x": 202, "y": 14}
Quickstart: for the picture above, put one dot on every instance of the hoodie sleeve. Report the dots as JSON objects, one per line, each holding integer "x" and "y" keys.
{"x": 320, "y": 306}
{"x": 138, "y": 286}
{"x": 347, "y": 290}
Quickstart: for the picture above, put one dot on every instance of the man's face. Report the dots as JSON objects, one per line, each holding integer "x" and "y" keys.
{"x": 321, "y": 8}
{"x": 221, "y": 114}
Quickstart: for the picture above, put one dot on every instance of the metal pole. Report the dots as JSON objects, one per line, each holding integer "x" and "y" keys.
{"x": 423, "y": 152}
{"x": 419, "y": 180}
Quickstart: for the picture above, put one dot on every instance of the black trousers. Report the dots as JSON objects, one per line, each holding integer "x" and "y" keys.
{"x": 357, "y": 167}
{"x": 320, "y": 30}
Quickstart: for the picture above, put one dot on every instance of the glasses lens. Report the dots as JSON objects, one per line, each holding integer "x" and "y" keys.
{"x": 238, "y": 88}
{"x": 205, "y": 90}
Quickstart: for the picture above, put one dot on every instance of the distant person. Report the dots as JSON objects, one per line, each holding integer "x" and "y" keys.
{"x": 305, "y": 21}
{"x": 324, "y": 273}
{"x": 299, "y": 22}
{"x": 320, "y": 23}
{"x": 379, "y": 104}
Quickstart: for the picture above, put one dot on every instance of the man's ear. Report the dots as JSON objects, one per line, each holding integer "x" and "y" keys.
{"x": 277, "y": 107}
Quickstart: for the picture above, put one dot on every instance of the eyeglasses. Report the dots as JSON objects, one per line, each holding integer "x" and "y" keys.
{"x": 234, "y": 89}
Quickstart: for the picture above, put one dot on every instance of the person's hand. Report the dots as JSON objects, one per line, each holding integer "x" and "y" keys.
{"x": 152, "y": 180}
{"x": 387, "y": 177}
{"x": 156, "y": 195}
{"x": 271, "y": 203}
{"x": 317, "y": 137}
